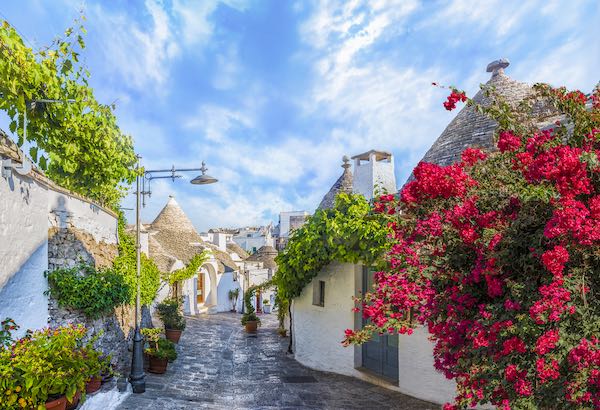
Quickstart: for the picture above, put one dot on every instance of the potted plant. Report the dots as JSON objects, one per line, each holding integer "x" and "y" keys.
{"x": 282, "y": 331}
{"x": 170, "y": 314}
{"x": 160, "y": 351}
{"x": 46, "y": 368}
{"x": 266, "y": 306}
{"x": 249, "y": 318}
{"x": 233, "y": 297}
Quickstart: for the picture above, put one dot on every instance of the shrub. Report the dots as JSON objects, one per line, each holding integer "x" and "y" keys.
{"x": 170, "y": 314}
{"x": 93, "y": 292}
{"x": 498, "y": 255}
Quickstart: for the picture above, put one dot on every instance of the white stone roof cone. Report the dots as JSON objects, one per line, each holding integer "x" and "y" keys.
{"x": 172, "y": 218}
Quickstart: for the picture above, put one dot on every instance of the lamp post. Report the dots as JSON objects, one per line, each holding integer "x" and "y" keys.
{"x": 137, "y": 376}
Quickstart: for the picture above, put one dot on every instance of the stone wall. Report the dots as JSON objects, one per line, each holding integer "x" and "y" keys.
{"x": 69, "y": 247}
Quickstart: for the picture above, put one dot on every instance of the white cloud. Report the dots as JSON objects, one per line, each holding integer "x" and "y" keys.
{"x": 216, "y": 122}
{"x": 139, "y": 55}
{"x": 196, "y": 25}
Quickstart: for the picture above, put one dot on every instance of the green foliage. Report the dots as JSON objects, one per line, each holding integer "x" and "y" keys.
{"x": 349, "y": 232}
{"x": 93, "y": 292}
{"x": 47, "y": 363}
{"x": 170, "y": 314}
{"x": 250, "y": 313}
{"x": 77, "y": 141}
{"x": 159, "y": 347}
{"x": 189, "y": 271}
{"x": 282, "y": 310}
{"x": 125, "y": 264}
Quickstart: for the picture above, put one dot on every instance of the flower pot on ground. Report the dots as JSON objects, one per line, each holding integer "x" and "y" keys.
{"x": 169, "y": 311}
{"x": 93, "y": 385}
{"x": 160, "y": 351}
{"x": 266, "y": 306}
{"x": 45, "y": 366}
{"x": 57, "y": 404}
{"x": 173, "y": 335}
{"x": 282, "y": 332}
{"x": 72, "y": 404}
{"x": 157, "y": 365}
{"x": 250, "y": 321}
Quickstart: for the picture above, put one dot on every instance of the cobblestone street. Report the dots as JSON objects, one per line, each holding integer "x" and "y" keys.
{"x": 221, "y": 367}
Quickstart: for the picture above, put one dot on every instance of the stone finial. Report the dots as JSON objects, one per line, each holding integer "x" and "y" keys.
{"x": 346, "y": 161}
{"x": 497, "y": 66}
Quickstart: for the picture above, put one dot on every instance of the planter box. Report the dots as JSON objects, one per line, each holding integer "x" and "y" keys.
{"x": 173, "y": 335}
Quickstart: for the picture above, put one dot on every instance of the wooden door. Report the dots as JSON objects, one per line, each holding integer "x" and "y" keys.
{"x": 380, "y": 354}
{"x": 200, "y": 293}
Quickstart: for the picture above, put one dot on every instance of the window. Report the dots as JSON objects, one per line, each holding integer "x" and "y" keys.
{"x": 319, "y": 293}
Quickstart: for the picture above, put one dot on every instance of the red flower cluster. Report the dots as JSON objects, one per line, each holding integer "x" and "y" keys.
{"x": 454, "y": 97}
{"x": 485, "y": 241}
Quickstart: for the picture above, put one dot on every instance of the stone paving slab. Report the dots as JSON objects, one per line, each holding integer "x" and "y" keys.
{"x": 221, "y": 367}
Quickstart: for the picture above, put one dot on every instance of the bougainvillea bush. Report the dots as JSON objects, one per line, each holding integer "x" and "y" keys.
{"x": 498, "y": 256}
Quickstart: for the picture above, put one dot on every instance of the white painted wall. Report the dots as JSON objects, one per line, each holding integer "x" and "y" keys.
{"x": 23, "y": 251}
{"x": 29, "y": 206}
{"x": 69, "y": 211}
{"x": 284, "y": 222}
{"x": 318, "y": 332}
{"x": 226, "y": 283}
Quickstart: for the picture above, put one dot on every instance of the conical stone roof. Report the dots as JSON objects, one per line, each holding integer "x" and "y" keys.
{"x": 266, "y": 254}
{"x": 176, "y": 233}
{"x": 472, "y": 129}
{"x": 343, "y": 184}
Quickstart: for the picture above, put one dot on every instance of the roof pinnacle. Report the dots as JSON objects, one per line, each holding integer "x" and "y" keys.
{"x": 497, "y": 66}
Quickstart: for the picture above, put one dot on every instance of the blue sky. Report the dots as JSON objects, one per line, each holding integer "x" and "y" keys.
{"x": 272, "y": 94}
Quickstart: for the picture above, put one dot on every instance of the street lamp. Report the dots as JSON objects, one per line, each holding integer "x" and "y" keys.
{"x": 137, "y": 376}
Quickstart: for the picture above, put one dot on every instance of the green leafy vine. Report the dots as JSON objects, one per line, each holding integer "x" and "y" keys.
{"x": 349, "y": 232}
{"x": 125, "y": 264}
{"x": 74, "y": 138}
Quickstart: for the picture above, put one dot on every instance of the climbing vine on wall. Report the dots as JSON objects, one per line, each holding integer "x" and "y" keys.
{"x": 349, "y": 232}
{"x": 125, "y": 264}
{"x": 76, "y": 141}
{"x": 189, "y": 271}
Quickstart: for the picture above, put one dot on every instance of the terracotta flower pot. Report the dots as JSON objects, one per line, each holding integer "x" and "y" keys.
{"x": 158, "y": 366}
{"x": 173, "y": 335}
{"x": 71, "y": 405}
{"x": 93, "y": 385}
{"x": 57, "y": 404}
{"x": 251, "y": 326}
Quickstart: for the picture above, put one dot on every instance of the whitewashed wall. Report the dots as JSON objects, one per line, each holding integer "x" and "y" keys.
{"x": 29, "y": 206}
{"x": 69, "y": 211}
{"x": 23, "y": 251}
{"x": 226, "y": 283}
{"x": 318, "y": 332}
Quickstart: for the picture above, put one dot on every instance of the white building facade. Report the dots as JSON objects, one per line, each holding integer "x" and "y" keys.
{"x": 323, "y": 311}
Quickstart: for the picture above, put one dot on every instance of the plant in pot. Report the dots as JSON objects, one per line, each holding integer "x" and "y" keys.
{"x": 249, "y": 318}
{"x": 170, "y": 314}
{"x": 160, "y": 351}
{"x": 266, "y": 306}
{"x": 233, "y": 297}
{"x": 44, "y": 369}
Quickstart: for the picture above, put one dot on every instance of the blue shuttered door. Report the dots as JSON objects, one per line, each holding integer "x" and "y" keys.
{"x": 380, "y": 354}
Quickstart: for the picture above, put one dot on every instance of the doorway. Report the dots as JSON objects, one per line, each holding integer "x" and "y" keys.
{"x": 200, "y": 294}
{"x": 380, "y": 354}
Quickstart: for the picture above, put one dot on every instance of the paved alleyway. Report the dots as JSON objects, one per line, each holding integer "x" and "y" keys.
{"x": 221, "y": 367}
